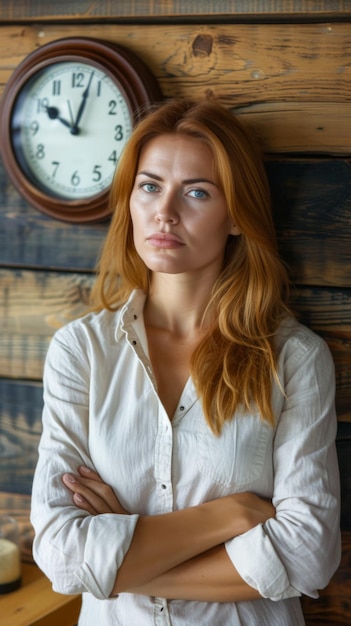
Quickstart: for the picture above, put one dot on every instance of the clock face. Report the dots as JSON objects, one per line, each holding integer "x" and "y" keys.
{"x": 69, "y": 124}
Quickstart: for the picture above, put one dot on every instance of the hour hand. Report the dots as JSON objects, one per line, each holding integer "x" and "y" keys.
{"x": 54, "y": 114}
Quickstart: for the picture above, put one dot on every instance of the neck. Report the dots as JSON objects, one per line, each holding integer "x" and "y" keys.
{"x": 177, "y": 304}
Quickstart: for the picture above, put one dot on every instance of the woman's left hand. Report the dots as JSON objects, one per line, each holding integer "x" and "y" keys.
{"x": 91, "y": 494}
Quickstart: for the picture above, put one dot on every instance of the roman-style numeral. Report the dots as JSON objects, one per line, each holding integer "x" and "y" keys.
{"x": 56, "y": 87}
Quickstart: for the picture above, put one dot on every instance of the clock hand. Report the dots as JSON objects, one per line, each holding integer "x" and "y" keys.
{"x": 54, "y": 114}
{"x": 70, "y": 113}
{"x": 85, "y": 94}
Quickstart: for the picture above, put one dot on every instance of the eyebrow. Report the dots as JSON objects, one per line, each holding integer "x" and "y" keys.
{"x": 188, "y": 181}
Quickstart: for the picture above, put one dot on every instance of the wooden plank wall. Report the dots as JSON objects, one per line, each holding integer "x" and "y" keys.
{"x": 285, "y": 67}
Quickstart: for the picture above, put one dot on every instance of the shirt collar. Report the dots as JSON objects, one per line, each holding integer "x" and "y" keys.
{"x": 130, "y": 311}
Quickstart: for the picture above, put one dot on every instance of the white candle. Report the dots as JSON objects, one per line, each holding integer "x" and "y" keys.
{"x": 10, "y": 562}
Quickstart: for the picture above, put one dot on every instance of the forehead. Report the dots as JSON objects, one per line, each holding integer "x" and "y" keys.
{"x": 177, "y": 151}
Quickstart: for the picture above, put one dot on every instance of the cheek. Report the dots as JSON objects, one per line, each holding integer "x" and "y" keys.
{"x": 139, "y": 212}
{"x": 135, "y": 218}
{"x": 216, "y": 230}
{"x": 138, "y": 232}
{"x": 135, "y": 231}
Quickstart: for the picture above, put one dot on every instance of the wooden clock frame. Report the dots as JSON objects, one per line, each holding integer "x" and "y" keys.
{"x": 136, "y": 82}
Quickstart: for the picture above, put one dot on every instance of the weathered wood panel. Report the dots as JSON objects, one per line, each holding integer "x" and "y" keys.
{"x": 305, "y": 193}
{"x": 42, "y": 10}
{"x": 32, "y": 306}
{"x": 312, "y": 210}
{"x": 246, "y": 62}
{"x": 300, "y": 127}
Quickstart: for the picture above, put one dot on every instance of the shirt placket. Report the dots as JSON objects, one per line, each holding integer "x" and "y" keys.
{"x": 164, "y": 438}
{"x": 163, "y": 457}
{"x": 163, "y": 463}
{"x": 161, "y": 615}
{"x": 164, "y": 493}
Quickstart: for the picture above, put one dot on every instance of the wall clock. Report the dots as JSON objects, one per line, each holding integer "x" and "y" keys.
{"x": 65, "y": 116}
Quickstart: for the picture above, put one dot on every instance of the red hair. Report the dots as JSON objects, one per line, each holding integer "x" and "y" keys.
{"x": 234, "y": 365}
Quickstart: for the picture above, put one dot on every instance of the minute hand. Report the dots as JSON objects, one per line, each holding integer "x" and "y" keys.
{"x": 85, "y": 94}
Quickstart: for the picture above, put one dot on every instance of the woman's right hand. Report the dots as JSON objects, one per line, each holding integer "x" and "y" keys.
{"x": 91, "y": 493}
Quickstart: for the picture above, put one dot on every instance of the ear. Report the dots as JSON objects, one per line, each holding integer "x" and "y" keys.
{"x": 234, "y": 230}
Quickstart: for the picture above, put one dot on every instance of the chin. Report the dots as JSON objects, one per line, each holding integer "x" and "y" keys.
{"x": 164, "y": 266}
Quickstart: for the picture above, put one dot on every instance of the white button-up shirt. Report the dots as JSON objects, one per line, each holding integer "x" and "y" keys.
{"x": 102, "y": 409}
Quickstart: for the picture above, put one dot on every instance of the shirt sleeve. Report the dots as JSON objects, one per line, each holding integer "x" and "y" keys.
{"x": 78, "y": 552}
{"x": 298, "y": 551}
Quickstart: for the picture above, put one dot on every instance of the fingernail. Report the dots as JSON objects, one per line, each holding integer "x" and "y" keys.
{"x": 70, "y": 478}
{"x": 84, "y": 469}
{"x": 78, "y": 497}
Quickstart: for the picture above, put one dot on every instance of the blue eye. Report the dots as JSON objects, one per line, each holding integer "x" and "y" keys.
{"x": 149, "y": 187}
{"x": 199, "y": 194}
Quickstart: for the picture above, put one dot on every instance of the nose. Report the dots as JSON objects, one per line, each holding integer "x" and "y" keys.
{"x": 166, "y": 211}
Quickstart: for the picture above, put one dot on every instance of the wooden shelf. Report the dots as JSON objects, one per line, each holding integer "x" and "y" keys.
{"x": 36, "y": 604}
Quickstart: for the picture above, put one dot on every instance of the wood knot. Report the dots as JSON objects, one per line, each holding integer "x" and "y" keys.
{"x": 202, "y": 45}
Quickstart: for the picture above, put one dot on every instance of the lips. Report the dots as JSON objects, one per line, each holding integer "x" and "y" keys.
{"x": 164, "y": 240}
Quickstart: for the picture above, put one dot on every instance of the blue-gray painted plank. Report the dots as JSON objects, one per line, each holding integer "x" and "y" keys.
{"x": 31, "y": 239}
{"x": 20, "y": 428}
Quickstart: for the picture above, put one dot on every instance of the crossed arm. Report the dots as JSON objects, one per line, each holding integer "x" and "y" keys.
{"x": 178, "y": 555}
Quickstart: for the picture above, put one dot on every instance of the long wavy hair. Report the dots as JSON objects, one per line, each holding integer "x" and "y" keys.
{"x": 235, "y": 363}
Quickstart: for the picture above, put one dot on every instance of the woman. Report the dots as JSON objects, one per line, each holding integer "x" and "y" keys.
{"x": 194, "y": 394}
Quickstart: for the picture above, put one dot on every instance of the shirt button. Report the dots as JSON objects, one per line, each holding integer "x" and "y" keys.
{"x": 134, "y": 342}
{"x": 181, "y": 408}
{"x": 163, "y": 486}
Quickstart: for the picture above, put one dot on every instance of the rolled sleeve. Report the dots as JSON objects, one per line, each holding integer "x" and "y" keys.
{"x": 299, "y": 550}
{"x": 257, "y": 562}
{"x": 105, "y": 532}
{"x": 85, "y": 555}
